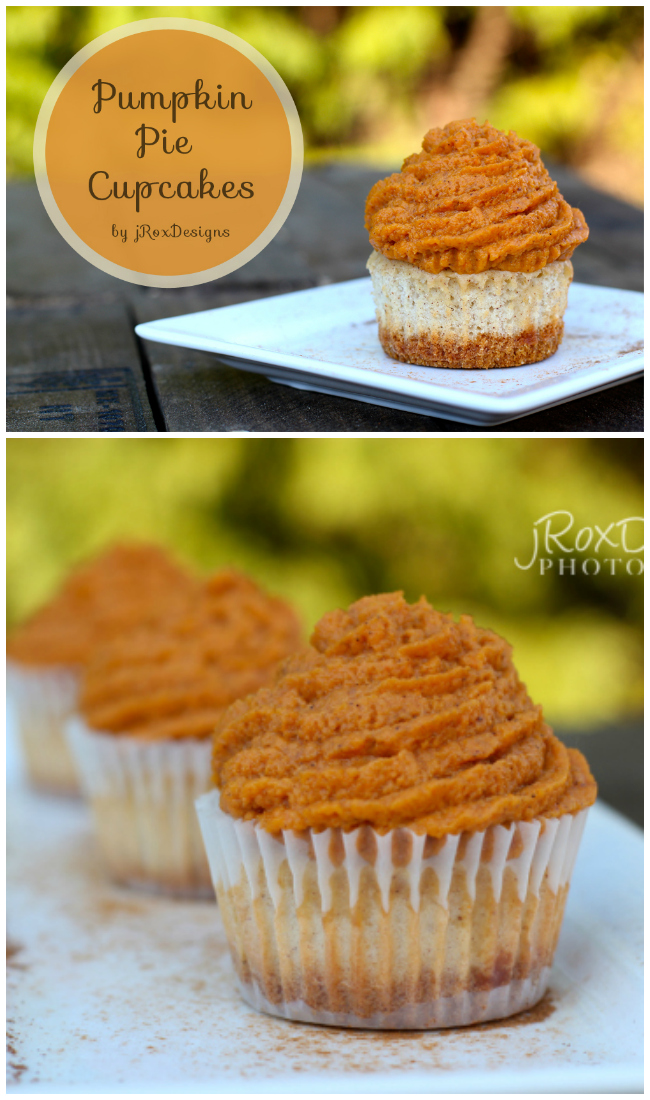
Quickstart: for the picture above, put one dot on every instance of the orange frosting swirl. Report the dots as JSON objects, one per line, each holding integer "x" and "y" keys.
{"x": 175, "y": 679}
{"x": 473, "y": 199}
{"x": 397, "y": 716}
{"x": 129, "y": 584}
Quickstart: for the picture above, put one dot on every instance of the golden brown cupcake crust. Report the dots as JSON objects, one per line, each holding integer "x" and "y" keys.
{"x": 396, "y": 716}
{"x": 129, "y": 584}
{"x": 474, "y": 198}
{"x": 484, "y": 351}
{"x": 175, "y": 679}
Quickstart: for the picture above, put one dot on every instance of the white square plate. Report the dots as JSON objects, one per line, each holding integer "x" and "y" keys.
{"x": 111, "y": 990}
{"x": 325, "y": 339}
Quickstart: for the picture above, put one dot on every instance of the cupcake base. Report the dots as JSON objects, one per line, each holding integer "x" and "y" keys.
{"x": 142, "y": 795}
{"x": 461, "y": 1010}
{"x": 477, "y": 321}
{"x": 484, "y": 351}
{"x": 399, "y": 930}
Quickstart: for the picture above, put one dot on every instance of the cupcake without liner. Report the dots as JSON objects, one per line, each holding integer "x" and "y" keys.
{"x": 393, "y": 827}
{"x": 492, "y": 318}
{"x": 149, "y": 705}
{"x": 122, "y": 588}
{"x": 472, "y": 242}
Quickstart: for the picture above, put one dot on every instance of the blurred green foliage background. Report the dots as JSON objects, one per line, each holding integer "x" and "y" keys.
{"x": 325, "y": 521}
{"x": 369, "y": 81}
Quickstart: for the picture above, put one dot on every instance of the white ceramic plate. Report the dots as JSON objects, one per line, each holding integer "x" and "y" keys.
{"x": 326, "y": 340}
{"x": 116, "y": 991}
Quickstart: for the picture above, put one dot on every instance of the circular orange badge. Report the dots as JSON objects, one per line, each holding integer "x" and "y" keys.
{"x": 168, "y": 152}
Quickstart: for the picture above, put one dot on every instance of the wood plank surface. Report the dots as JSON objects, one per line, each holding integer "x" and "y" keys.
{"x": 67, "y": 317}
{"x": 76, "y": 369}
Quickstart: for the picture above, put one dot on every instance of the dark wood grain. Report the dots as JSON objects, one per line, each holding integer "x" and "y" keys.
{"x": 67, "y": 317}
{"x": 75, "y": 368}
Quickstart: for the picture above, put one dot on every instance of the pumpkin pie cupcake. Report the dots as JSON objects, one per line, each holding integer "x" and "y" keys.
{"x": 472, "y": 246}
{"x": 393, "y": 826}
{"x": 124, "y": 587}
{"x": 149, "y": 705}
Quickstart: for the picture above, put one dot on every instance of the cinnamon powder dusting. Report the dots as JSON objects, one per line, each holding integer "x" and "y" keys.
{"x": 473, "y": 199}
{"x": 396, "y": 716}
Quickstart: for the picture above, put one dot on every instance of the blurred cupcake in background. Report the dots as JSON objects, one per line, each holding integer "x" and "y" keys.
{"x": 128, "y": 585}
{"x": 149, "y": 705}
{"x": 394, "y": 826}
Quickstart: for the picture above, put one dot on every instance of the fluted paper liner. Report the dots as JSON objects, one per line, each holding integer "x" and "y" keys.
{"x": 42, "y": 700}
{"x": 396, "y": 931}
{"x": 142, "y": 795}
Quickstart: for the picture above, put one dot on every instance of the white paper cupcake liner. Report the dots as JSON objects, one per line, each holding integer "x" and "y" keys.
{"x": 395, "y": 931}
{"x": 142, "y": 795}
{"x": 42, "y": 701}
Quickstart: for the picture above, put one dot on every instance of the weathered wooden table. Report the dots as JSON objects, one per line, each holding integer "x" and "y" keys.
{"x": 75, "y": 365}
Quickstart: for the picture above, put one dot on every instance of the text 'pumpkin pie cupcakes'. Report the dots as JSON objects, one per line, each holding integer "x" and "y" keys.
{"x": 126, "y": 586}
{"x": 472, "y": 246}
{"x": 149, "y": 706}
{"x": 394, "y": 826}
